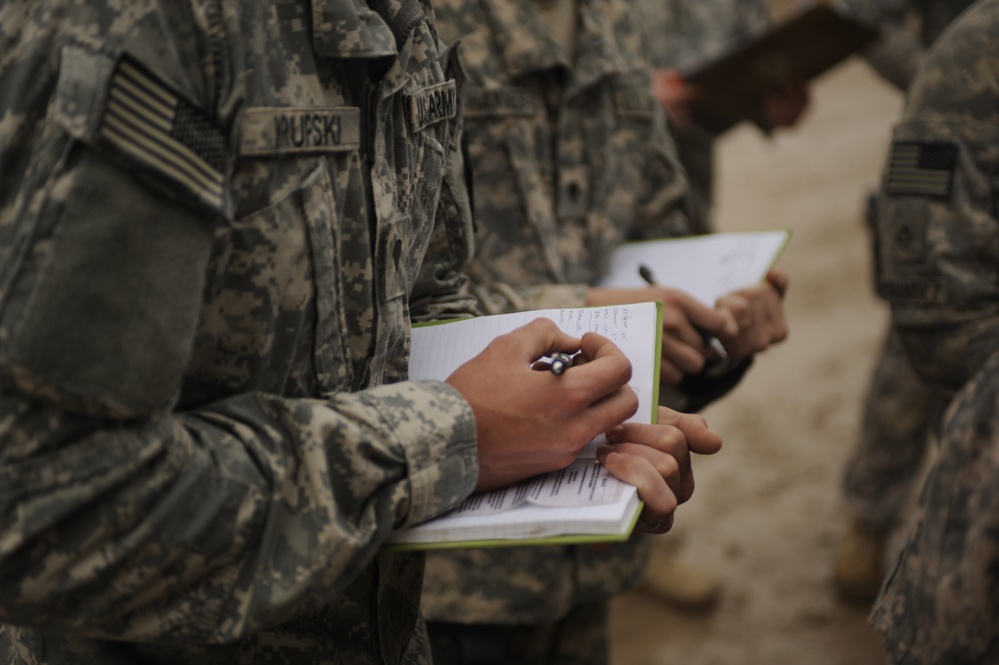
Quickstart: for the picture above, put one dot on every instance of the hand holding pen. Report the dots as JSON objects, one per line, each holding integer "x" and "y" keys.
{"x": 686, "y": 323}
{"x": 709, "y": 339}
{"x": 529, "y": 422}
{"x": 759, "y": 315}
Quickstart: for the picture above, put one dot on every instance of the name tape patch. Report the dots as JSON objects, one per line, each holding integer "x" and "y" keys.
{"x": 149, "y": 123}
{"x": 433, "y": 104}
{"x": 902, "y": 289}
{"x": 299, "y": 129}
{"x": 921, "y": 169}
{"x": 483, "y": 102}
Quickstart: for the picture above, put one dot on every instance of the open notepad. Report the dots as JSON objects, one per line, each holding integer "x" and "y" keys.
{"x": 707, "y": 267}
{"x": 581, "y": 503}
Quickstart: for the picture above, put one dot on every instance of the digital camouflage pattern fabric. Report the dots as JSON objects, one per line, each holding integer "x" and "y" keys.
{"x": 908, "y": 28}
{"x": 568, "y": 161}
{"x": 569, "y": 158}
{"x": 213, "y": 216}
{"x": 684, "y": 32}
{"x": 681, "y": 34}
{"x": 939, "y": 238}
{"x": 940, "y": 604}
{"x": 936, "y": 218}
{"x": 900, "y": 417}
{"x": 901, "y": 412}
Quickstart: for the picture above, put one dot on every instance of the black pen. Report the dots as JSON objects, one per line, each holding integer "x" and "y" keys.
{"x": 560, "y": 362}
{"x": 709, "y": 339}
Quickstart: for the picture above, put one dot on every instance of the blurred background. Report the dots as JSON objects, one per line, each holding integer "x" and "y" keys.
{"x": 767, "y": 512}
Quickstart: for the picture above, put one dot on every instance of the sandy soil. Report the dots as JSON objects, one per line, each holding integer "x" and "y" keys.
{"x": 767, "y": 512}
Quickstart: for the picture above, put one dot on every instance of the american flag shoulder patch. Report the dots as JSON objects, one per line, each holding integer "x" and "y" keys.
{"x": 147, "y": 122}
{"x": 921, "y": 169}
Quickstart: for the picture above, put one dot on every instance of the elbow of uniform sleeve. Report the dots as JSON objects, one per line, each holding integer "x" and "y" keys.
{"x": 435, "y": 428}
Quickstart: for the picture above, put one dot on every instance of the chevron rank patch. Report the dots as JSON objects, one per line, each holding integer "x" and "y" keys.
{"x": 149, "y": 123}
{"x": 921, "y": 169}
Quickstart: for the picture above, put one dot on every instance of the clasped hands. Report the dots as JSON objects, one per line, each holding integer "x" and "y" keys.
{"x": 530, "y": 422}
{"x": 746, "y": 322}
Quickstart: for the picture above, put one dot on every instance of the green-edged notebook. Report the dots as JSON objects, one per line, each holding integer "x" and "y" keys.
{"x": 580, "y": 504}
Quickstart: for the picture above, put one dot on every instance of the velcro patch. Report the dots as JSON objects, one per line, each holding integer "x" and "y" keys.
{"x": 282, "y": 130}
{"x": 902, "y": 289}
{"x": 148, "y": 122}
{"x": 483, "y": 102}
{"x": 921, "y": 169}
{"x": 433, "y": 104}
{"x": 634, "y": 102}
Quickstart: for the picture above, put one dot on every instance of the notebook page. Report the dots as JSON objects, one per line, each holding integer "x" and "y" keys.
{"x": 438, "y": 350}
{"x": 707, "y": 267}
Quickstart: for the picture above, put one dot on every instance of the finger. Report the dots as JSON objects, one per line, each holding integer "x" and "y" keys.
{"x": 605, "y": 367}
{"x": 700, "y": 438}
{"x": 709, "y": 319}
{"x": 609, "y": 412}
{"x": 678, "y": 325}
{"x": 660, "y": 503}
{"x": 669, "y": 373}
{"x": 778, "y": 320}
{"x": 681, "y": 355}
{"x": 657, "y": 441}
{"x": 760, "y": 331}
{"x": 667, "y": 466}
{"x": 533, "y": 340}
{"x": 779, "y": 280}
{"x": 740, "y": 308}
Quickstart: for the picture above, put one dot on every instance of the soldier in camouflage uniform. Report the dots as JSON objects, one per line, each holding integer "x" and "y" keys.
{"x": 570, "y": 156}
{"x": 213, "y": 222}
{"x": 900, "y": 411}
{"x": 938, "y": 229}
{"x": 907, "y": 27}
{"x": 682, "y": 33}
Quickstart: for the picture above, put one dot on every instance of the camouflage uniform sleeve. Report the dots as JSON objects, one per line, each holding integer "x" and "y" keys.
{"x": 898, "y": 54}
{"x": 122, "y": 515}
{"x": 441, "y": 290}
{"x": 207, "y": 525}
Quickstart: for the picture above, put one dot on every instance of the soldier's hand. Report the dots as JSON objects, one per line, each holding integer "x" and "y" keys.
{"x": 656, "y": 459}
{"x": 674, "y": 94}
{"x": 530, "y": 422}
{"x": 684, "y": 351}
{"x": 759, "y": 313}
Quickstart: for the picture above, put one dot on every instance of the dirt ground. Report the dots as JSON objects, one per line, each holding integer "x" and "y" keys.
{"x": 767, "y": 512}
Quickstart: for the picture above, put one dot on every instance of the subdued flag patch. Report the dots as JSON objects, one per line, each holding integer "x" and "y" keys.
{"x": 921, "y": 169}
{"x": 151, "y": 124}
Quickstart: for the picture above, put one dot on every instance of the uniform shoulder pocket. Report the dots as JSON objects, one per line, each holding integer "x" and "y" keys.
{"x": 118, "y": 105}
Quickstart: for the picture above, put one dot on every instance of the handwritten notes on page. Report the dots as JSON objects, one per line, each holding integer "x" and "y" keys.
{"x": 707, "y": 267}
{"x": 438, "y": 350}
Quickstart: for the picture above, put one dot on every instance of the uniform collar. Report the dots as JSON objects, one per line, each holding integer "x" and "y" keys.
{"x": 524, "y": 42}
{"x": 526, "y": 45}
{"x": 360, "y": 29}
